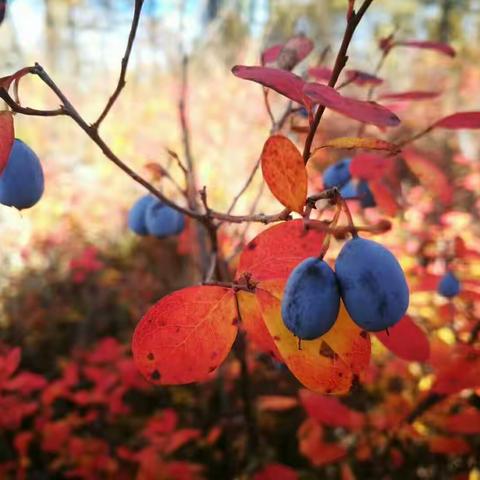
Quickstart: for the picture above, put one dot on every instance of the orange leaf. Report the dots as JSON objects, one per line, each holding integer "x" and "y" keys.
{"x": 356, "y": 142}
{"x": 252, "y": 322}
{"x": 276, "y": 251}
{"x": 324, "y": 365}
{"x": 276, "y": 403}
{"x": 7, "y": 137}
{"x": 430, "y": 175}
{"x": 186, "y": 335}
{"x": 284, "y": 171}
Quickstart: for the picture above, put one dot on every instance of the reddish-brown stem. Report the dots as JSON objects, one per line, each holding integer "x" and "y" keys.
{"x": 267, "y": 105}
{"x": 123, "y": 71}
{"x": 27, "y": 110}
{"x": 416, "y": 136}
{"x": 340, "y": 63}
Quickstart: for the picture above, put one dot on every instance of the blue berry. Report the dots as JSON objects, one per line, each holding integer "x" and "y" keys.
{"x": 372, "y": 284}
{"x": 449, "y": 285}
{"x": 22, "y": 182}
{"x": 136, "y": 216}
{"x": 358, "y": 190}
{"x": 338, "y": 174}
{"x": 365, "y": 195}
{"x": 162, "y": 220}
{"x": 311, "y": 299}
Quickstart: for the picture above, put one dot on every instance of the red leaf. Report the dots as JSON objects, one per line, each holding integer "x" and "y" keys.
{"x": 460, "y": 372}
{"x": 430, "y": 175}
{"x": 286, "y": 83}
{"x": 406, "y": 340}
{"x": 321, "y": 73}
{"x": 448, "y": 445}
{"x": 294, "y": 51}
{"x": 368, "y": 166}
{"x": 312, "y": 445}
{"x": 429, "y": 45}
{"x": 179, "y": 438}
{"x": 5, "y": 82}
{"x": 467, "y": 422}
{"x": 186, "y": 335}
{"x": 11, "y": 361}
{"x": 330, "y": 411}
{"x": 276, "y": 251}
{"x": 7, "y": 136}
{"x": 270, "y": 54}
{"x": 284, "y": 172}
{"x": 26, "y": 383}
{"x": 178, "y": 470}
{"x": 384, "y": 197}
{"x": 366, "y": 112}
{"x": 362, "y": 78}
{"x": 412, "y": 95}
{"x": 276, "y": 471}
{"x": 457, "y": 121}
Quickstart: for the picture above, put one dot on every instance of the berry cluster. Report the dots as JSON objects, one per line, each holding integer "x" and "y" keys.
{"x": 367, "y": 277}
{"x": 338, "y": 175}
{"x": 149, "y": 216}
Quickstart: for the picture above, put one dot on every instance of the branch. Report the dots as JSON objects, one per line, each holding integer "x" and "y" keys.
{"x": 27, "y": 110}
{"x": 67, "y": 109}
{"x": 123, "y": 71}
{"x": 190, "y": 167}
{"x": 92, "y": 132}
{"x": 340, "y": 63}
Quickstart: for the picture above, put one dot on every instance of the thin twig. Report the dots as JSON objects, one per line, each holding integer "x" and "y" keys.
{"x": 185, "y": 127}
{"x": 340, "y": 63}
{"x": 27, "y": 110}
{"x": 123, "y": 71}
{"x": 276, "y": 126}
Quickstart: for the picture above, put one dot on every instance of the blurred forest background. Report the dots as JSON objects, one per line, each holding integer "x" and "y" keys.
{"x": 72, "y": 274}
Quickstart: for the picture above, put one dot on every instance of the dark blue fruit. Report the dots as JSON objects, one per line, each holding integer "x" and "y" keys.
{"x": 162, "y": 220}
{"x": 302, "y": 111}
{"x": 359, "y": 191}
{"x": 311, "y": 299}
{"x": 372, "y": 284}
{"x": 449, "y": 285}
{"x": 349, "y": 190}
{"x": 365, "y": 195}
{"x": 137, "y": 214}
{"x": 21, "y": 183}
{"x": 338, "y": 174}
